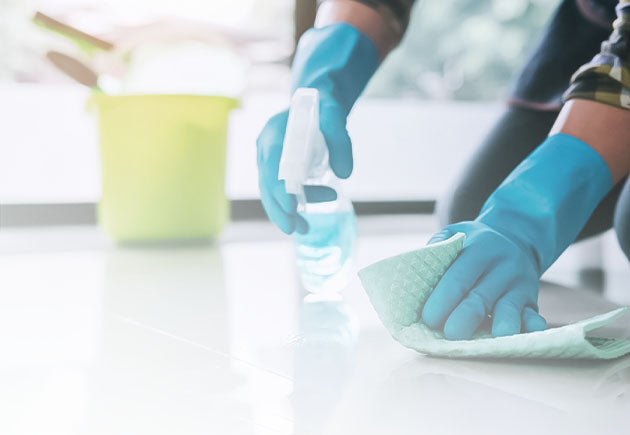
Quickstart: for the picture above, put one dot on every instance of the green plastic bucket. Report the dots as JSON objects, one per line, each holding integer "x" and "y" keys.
{"x": 163, "y": 165}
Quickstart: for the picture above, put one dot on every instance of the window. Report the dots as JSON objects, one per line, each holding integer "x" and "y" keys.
{"x": 464, "y": 50}
{"x": 458, "y": 56}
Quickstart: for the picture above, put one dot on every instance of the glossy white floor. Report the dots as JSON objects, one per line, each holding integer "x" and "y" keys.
{"x": 217, "y": 339}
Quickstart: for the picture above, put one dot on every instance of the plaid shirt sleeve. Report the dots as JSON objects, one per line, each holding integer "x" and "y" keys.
{"x": 606, "y": 78}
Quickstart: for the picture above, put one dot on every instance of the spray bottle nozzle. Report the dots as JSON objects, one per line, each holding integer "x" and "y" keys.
{"x": 303, "y": 143}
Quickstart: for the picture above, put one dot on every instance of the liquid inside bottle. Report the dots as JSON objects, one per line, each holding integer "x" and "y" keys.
{"x": 324, "y": 254}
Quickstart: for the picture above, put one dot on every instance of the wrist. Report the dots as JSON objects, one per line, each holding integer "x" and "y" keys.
{"x": 336, "y": 59}
{"x": 378, "y": 23}
{"x": 544, "y": 203}
{"x": 604, "y": 127}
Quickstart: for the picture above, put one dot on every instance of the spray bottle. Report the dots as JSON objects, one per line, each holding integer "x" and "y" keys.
{"x": 324, "y": 254}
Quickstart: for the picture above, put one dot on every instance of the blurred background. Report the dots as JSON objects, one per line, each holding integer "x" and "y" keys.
{"x": 458, "y": 58}
{"x": 448, "y": 65}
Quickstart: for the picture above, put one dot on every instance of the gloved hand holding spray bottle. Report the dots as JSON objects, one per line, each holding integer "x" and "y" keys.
{"x": 335, "y": 61}
{"x": 324, "y": 253}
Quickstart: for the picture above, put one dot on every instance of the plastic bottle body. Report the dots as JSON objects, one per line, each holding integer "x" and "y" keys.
{"x": 325, "y": 253}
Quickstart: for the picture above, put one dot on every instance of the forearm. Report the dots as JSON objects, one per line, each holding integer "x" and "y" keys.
{"x": 597, "y": 107}
{"x": 604, "y": 127}
{"x": 380, "y": 25}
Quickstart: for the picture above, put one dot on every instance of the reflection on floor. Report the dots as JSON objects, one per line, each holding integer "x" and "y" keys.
{"x": 218, "y": 338}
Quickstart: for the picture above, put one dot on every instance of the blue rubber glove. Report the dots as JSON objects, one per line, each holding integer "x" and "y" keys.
{"x": 523, "y": 227}
{"x": 338, "y": 60}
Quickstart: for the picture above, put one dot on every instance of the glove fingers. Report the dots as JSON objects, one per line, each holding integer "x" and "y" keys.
{"x": 475, "y": 307}
{"x": 269, "y": 145}
{"x": 279, "y": 206}
{"x": 441, "y": 236}
{"x": 287, "y": 202}
{"x": 532, "y": 321}
{"x": 301, "y": 225}
{"x": 332, "y": 121}
{"x": 512, "y": 312}
{"x": 284, "y": 221}
{"x": 319, "y": 193}
{"x": 449, "y": 231}
{"x": 507, "y": 316}
{"x": 452, "y": 288}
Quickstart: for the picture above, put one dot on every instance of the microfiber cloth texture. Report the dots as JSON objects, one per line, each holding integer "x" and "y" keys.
{"x": 399, "y": 286}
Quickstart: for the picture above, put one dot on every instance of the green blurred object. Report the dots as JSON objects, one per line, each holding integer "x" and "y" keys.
{"x": 88, "y": 43}
{"x": 163, "y": 165}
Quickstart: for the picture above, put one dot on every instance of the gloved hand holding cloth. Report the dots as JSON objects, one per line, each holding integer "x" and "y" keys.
{"x": 524, "y": 226}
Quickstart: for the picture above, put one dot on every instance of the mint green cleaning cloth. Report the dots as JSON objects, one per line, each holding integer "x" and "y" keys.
{"x": 399, "y": 286}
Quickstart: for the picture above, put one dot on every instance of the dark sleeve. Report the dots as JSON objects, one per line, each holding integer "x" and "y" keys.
{"x": 606, "y": 78}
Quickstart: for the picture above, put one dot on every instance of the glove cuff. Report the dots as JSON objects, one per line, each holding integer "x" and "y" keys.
{"x": 547, "y": 199}
{"x": 336, "y": 59}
